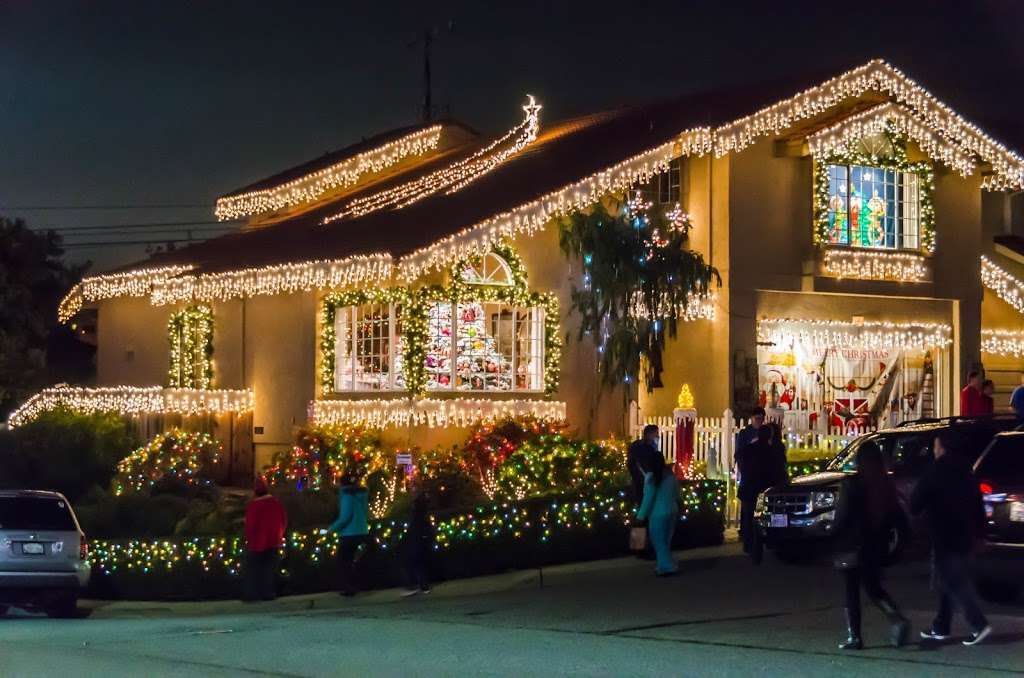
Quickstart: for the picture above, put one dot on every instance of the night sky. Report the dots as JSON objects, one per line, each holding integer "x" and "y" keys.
{"x": 138, "y": 103}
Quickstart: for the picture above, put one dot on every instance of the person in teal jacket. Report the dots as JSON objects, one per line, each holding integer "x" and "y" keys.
{"x": 660, "y": 508}
{"x": 351, "y": 525}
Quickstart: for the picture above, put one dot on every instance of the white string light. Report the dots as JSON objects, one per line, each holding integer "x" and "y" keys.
{"x": 451, "y": 178}
{"x": 1008, "y": 343}
{"x": 132, "y": 400}
{"x": 369, "y": 270}
{"x": 897, "y": 266}
{"x": 434, "y": 413}
{"x": 879, "y": 119}
{"x": 314, "y": 185}
{"x": 841, "y": 334}
{"x": 1006, "y": 286}
{"x": 96, "y": 288}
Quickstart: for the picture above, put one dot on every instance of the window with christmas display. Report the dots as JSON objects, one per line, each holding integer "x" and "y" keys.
{"x": 368, "y": 348}
{"x": 484, "y": 346}
{"x": 836, "y": 374}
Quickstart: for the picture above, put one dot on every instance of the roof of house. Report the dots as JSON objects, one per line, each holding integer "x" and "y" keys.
{"x": 563, "y": 152}
{"x": 559, "y": 166}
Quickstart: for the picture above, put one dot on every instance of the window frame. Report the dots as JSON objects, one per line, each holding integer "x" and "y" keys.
{"x": 906, "y": 187}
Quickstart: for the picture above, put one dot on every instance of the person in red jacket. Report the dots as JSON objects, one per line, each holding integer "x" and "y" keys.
{"x": 265, "y": 522}
{"x": 971, "y": 404}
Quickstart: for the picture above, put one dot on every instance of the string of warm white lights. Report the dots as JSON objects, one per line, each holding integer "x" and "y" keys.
{"x": 1006, "y": 286}
{"x": 369, "y": 270}
{"x": 130, "y": 284}
{"x": 840, "y": 334}
{"x": 310, "y": 187}
{"x": 451, "y": 178}
{"x": 1008, "y": 343}
{"x": 531, "y": 217}
{"x": 898, "y": 266}
{"x": 889, "y": 118}
{"x": 434, "y": 413}
{"x": 876, "y": 75}
{"x": 698, "y": 307}
{"x": 132, "y": 400}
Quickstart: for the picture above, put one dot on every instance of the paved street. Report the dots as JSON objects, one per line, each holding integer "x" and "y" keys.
{"x": 722, "y": 617}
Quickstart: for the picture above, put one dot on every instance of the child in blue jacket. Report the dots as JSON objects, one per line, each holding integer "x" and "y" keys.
{"x": 351, "y": 525}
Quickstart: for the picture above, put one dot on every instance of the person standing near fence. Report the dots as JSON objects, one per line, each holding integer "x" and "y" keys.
{"x": 660, "y": 508}
{"x": 351, "y": 525}
{"x": 265, "y": 523}
{"x": 748, "y": 434}
{"x": 644, "y": 454}
{"x": 754, "y": 471}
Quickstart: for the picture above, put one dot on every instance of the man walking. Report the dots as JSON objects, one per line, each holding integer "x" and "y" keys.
{"x": 949, "y": 494}
{"x": 748, "y": 433}
{"x": 971, "y": 404}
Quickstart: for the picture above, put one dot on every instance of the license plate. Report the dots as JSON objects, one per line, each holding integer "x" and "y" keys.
{"x": 32, "y": 549}
{"x": 780, "y": 520}
{"x": 1017, "y": 511}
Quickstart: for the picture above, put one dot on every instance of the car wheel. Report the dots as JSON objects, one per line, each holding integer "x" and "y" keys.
{"x": 997, "y": 591}
{"x": 65, "y": 607}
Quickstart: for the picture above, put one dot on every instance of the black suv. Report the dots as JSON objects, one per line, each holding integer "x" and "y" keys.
{"x": 791, "y": 518}
{"x": 1000, "y": 473}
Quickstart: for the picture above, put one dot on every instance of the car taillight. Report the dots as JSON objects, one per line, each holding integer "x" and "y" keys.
{"x": 83, "y": 548}
{"x": 985, "y": 488}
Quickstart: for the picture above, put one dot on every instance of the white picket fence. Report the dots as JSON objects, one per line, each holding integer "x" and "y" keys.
{"x": 715, "y": 442}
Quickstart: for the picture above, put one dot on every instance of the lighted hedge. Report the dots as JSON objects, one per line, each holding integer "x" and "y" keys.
{"x": 486, "y": 539}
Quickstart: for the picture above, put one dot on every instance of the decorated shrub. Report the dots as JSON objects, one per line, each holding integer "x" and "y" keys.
{"x": 176, "y": 457}
{"x": 489, "y": 446}
{"x": 552, "y": 463}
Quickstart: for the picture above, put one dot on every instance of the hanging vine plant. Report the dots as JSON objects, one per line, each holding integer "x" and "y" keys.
{"x": 639, "y": 280}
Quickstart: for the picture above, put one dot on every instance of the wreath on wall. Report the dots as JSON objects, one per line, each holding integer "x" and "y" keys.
{"x": 895, "y": 160}
{"x": 639, "y": 276}
{"x": 415, "y": 312}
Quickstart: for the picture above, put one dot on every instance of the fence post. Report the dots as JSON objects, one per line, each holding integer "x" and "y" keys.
{"x": 728, "y": 443}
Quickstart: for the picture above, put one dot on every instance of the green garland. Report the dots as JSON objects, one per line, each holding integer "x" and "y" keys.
{"x": 898, "y": 162}
{"x": 188, "y": 329}
{"x": 415, "y": 308}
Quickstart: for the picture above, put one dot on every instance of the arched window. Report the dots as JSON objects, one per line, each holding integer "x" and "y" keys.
{"x": 492, "y": 270}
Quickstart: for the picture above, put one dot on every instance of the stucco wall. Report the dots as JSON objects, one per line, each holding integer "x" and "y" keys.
{"x": 132, "y": 347}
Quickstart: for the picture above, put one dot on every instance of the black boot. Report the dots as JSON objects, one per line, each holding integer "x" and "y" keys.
{"x": 899, "y": 629}
{"x": 853, "y": 641}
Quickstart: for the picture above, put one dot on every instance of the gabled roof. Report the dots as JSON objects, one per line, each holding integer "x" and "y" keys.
{"x": 564, "y": 166}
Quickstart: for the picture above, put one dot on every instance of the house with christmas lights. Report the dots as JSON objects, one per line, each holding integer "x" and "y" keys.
{"x": 862, "y": 229}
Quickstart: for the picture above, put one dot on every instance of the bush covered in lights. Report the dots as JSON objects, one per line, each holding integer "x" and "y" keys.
{"x": 176, "y": 457}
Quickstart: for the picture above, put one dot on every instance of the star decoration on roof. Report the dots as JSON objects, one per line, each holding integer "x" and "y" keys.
{"x": 532, "y": 108}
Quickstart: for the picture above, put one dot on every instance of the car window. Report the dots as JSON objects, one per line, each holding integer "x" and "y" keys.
{"x": 1004, "y": 460}
{"x": 35, "y": 513}
{"x": 978, "y": 436}
{"x": 910, "y": 455}
{"x": 847, "y": 459}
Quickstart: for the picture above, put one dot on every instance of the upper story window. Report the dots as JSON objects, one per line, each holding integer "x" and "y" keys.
{"x": 873, "y": 207}
{"x": 190, "y": 332}
{"x": 490, "y": 270}
{"x": 665, "y": 188}
{"x": 368, "y": 348}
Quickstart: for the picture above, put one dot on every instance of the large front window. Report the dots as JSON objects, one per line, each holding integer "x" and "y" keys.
{"x": 484, "y": 346}
{"x": 873, "y": 207}
{"x": 368, "y": 348}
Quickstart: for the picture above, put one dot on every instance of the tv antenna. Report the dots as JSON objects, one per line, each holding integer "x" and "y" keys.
{"x": 427, "y": 40}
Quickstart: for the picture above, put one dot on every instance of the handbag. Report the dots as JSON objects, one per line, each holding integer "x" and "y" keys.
{"x": 637, "y": 538}
{"x": 847, "y": 560}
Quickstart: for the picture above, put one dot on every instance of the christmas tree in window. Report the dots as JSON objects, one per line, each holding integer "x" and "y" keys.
{"x": 479, "y": 365}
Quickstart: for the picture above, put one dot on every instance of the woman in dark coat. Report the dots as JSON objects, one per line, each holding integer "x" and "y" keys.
{"x": 866, "y": 512}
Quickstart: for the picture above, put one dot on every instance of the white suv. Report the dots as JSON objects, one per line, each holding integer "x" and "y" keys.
{"x": 43, "y": 553}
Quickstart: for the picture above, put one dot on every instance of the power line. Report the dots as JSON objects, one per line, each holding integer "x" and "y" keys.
{"x": 121, "y": 243}
{"x": 129, "y": 226}
{"x": 108, "y": 207}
